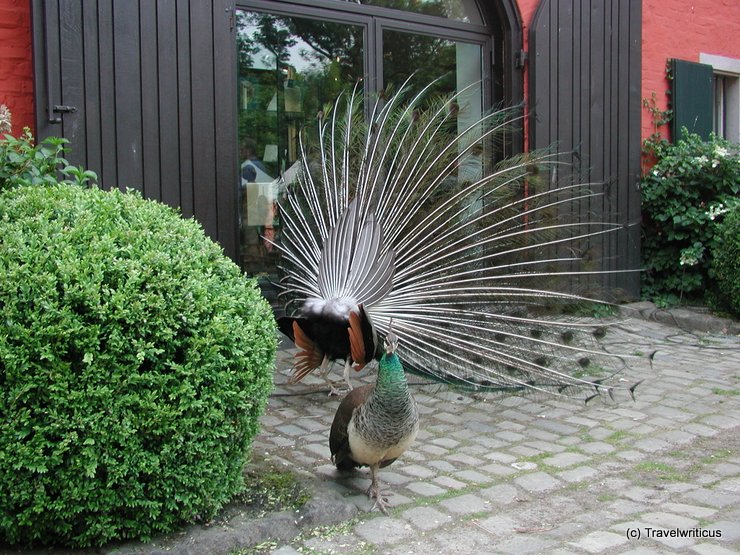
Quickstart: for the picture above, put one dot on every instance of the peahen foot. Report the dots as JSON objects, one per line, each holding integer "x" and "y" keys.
{"x": 373, "y": 492}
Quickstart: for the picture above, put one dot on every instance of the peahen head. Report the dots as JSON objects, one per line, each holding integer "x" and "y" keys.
{"x": 391, "y": 340}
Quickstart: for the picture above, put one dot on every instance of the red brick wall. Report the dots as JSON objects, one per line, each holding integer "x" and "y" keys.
{"x": 16, "y": 70}
{"x": 680, "y": 29}
{"x": 671, "y": 29}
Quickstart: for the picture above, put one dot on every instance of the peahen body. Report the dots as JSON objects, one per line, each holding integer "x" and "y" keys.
{"x": 375, "y": 423}
{"x": 403, "y": 215}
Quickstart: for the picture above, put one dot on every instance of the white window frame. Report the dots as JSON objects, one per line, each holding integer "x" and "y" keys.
{"x": 729, "y": 68}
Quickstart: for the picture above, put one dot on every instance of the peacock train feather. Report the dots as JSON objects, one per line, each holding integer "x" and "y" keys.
{"x": 400, "y": 214}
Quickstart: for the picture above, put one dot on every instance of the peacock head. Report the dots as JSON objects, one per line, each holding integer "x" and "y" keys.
{"x": 391, "y": 340}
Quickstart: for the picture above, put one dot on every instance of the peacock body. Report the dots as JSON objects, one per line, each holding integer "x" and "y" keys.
{"x": 376, "y": 423}
{"x": 402, "y": 216}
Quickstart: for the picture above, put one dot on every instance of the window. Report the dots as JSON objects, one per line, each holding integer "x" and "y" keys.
{"x": 726, "y": 95}
{"x": 294, "y": 58}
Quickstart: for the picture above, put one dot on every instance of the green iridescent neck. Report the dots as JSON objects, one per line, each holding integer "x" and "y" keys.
{"x": 390, "y": 371}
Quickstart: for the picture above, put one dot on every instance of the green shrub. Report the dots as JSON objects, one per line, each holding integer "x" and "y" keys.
{"x": 24, "y": 163}
{"x": 135, "y": 361}
{"x": 726, "y": 259}
{"x": 681, "y": 195}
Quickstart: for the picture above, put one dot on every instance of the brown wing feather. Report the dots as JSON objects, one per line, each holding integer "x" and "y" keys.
{"x": 308, "y": 358}
{"x": 338, "y": 437}
{"x": 356, "y": 341}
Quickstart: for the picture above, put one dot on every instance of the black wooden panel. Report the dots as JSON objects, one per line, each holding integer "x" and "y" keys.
{"x": 127, "y": 72}
{"x": 585, "y": 86}
{"x": 225, "y": 132}
{"x": 92, "y": 108}
{"x": 154, "y": 87}
{"x": 168, "y": 125}
{"x": 692, "y": 91}
{"x": 184, "y": 116}
{"x": 150, "y": 103}
{"x": 108, "y": 171}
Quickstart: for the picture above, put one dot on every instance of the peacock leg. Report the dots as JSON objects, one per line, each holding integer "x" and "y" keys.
{"x": 324, "y": 372}
{"x": 347, "y": 364}
{"x": 373, "y": 492}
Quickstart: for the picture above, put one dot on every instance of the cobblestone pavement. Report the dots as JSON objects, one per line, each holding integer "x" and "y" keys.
{"x": 516, "y": 475}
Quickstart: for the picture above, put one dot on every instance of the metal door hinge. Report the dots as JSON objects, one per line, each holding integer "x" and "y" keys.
{"x": 519, "y": 59}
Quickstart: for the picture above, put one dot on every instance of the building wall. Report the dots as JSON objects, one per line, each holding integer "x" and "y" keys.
{"x": 683, "y": 30}
{"x": 671, "y": 29}
{"x": 16, "y": 69}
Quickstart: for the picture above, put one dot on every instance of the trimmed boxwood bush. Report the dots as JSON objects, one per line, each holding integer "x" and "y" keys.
{"x": 726, "y": 260}
{"x": 135, "y": 361}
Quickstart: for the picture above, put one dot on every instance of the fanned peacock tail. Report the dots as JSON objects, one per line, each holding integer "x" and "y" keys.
{"x": 403, "y": 213}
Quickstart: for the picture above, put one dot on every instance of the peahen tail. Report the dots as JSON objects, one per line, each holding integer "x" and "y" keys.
{"x": 477, "y": 263}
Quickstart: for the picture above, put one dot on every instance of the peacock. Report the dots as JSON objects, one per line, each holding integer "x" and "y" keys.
{"x": 399, "y": 213}
{"x": 374, "y": 424}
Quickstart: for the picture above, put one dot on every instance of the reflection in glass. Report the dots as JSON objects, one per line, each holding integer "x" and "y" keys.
{"x": 457, "y": 64}
{"x": 462, "y": 10}
{"x": 289, "y": 68}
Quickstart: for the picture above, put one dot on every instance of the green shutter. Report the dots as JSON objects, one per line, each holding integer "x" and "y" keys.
{"x": 692, "y": 98}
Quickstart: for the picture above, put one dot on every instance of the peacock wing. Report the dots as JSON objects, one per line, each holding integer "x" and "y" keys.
{"x": 341, "y": 453}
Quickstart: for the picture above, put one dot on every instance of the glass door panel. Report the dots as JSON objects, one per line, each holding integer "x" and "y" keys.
{"x": 459, "y": 64}
{"x": 289, "y": 68}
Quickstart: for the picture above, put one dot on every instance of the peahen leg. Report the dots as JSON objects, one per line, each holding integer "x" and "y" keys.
{"x": 373, "y": 492}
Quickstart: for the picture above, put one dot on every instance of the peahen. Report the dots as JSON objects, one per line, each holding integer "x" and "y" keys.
{"x": 375, "y": 423}
{"x": 400, "y": 214}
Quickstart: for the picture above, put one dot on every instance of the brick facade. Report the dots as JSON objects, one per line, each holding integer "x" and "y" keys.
{"x": 16, "y": 69}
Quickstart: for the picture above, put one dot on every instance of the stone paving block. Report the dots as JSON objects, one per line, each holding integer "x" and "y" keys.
{"x": 466, "y": 504}
{"x": 502, "y": 494}
{"x": 546, "y": 446}
{"x": 498, "y": 525}
{"x": 462, "y": 539}
{"x": 417, "y": 471}
{"x": 472, "y": 476}
{"x": 510, "y": 436}
{"x": 710, "y": 498}
{"x": 442, "y": 466}
{"x": 578, "y": 474}
{"x": 537, "y": 482}
{"x": 651, "y": 445}
{"x": 384, "y": 530}
{"x": 564, "y": 460}
{"x": 446, "y": 442}
{"x": 599, "y": 541}
{"x": 597, "y": 448}
{"x": 712, "y": 549}
{"x": 730, "y": 530}
{"x": 426, "y": 489}
{"x": 524, "y": 451}
{"x": 625, "y": 507}
{"x": 426, "y": 518}
{"x": 498, "y": 469}
{"x": 449, "y": 483}
{"x": 525, "y": 543}
{"x": 668, "y": 520}
{"x": 693, "y": 511}
{"x": 501, "y": 457}
{"x": 630, "y": 455}
{"x": 464, "y": 459}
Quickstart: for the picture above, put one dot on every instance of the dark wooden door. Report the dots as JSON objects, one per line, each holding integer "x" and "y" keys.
{"x": 585, "y": 63}
{"x": 145, "y": 92}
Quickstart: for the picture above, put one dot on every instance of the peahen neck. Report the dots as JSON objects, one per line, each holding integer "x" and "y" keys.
{"x": 391, "y": 382}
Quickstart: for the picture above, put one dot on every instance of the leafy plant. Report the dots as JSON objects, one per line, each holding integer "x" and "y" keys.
{"x": 682, "y": 197}
{"x": 726, "y": 259}
{"x": 22, "y": 162}
{"x": 135, "y": 361}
